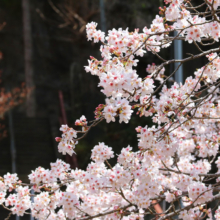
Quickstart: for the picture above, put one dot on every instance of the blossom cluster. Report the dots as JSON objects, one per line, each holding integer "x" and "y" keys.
{"x": 101, "y": 152}
{"x": 67, "y": 142}
{"x": 93, "y": 33}
{"x": 119, "y": 107}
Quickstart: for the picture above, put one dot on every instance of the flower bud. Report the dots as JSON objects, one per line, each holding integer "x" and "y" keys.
{"x": 58, "y": 139}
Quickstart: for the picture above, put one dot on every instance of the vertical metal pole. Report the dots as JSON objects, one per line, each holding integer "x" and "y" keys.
{"x": 12, "y": 145}
{"x": 32, "y": 200}
{"x": 102, "y": 15}
{"x": 178, "y": 55}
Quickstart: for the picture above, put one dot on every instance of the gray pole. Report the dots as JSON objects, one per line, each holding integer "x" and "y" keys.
{"x": 178, "y": 55}
{"x": 32, "y": 200}
{"x": 102, "y": 15}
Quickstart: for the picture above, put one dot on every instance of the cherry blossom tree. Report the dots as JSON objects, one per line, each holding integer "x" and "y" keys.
{"x": 176, "y": 155}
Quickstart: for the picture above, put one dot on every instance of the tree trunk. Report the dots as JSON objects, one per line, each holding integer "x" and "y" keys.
{"x": 28, "y": 62}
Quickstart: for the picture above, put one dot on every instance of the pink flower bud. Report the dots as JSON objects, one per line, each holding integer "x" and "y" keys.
{"x": 138, "y": 129}
{"x": 58, "y": 139}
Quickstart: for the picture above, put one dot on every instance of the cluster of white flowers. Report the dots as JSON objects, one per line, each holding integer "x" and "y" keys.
{"x": 9, "y": 180}
{"x": 199, "y": 193}
{"x": 101, "y": 152}
{"x": 20, "y": 201}
{"x": 93, "y": 33}
{"x": 41, "y": 175}
{"x": 81, "y": 122}
{"x": 119, "y": 107}
{"x": 196, "y": 213}
{"x": 67, "y": 142}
